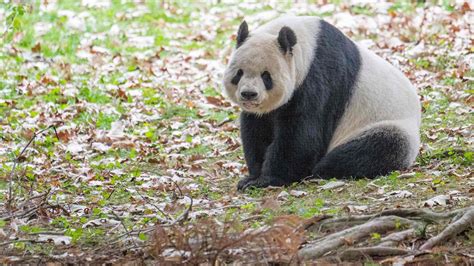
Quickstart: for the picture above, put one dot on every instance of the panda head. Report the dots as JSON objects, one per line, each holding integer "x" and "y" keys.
{"x": 260, "y": 76}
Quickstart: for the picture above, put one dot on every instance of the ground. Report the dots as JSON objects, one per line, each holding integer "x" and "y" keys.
{"x": 117, "y": 144}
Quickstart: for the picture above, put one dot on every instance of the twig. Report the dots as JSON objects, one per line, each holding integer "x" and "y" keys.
{"x": 23, "y": 240}
{"x": 126, "y": 230}
{"x": 185, "y": 215}
{"x": 133, "y": 232}
{"x": 167, "y": 217}
{"x": 15, "y": 162}
{"x": 361, "y": 253}
{"x": 46, "y": 194}
{"x": 253, "y": 217}
{"x": 24, "y": 214}
{"x": 30, "y": 211}
{"x": 227, "y": 120}
{"x": 253, "y": 234}
{"x": 110, "y": 195}
{"x": 59, "y": 233}
{"x": 179, "y": 189}
{"x": 165, "y": 222}
{"x": 453, "y": 229}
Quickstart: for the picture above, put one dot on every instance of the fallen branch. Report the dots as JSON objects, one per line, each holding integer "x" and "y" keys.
{"x": 34, "y": 241}
{"x": 335, "y": 223}
{"x": 422, "y": 214}
{"x": 412, "y": 214}
{"x": 378, "y": 251}
{"x": 352, "y": 235}
{"x": 355, "y": 229}
{"x": 253, "y": 217}
{"x": 452, "y": 230}
{"x": 395, "y": 238}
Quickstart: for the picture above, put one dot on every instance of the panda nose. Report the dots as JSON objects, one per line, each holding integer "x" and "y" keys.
{"x": 248, "y": 95}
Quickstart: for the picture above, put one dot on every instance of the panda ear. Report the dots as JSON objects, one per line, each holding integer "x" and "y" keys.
{"x": 242, "y": 34}
{"x": 286, "y": 39}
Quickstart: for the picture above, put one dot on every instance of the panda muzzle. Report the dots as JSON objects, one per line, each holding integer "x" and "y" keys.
{"x": 248, "y": 95}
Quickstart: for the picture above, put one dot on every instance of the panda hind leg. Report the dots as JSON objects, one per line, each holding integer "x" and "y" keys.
{"x": 377, "y": 151}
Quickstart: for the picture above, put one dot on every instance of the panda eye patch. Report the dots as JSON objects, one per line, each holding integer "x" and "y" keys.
{"x": 267, "y": 80}
{"x": 235, "y": 80}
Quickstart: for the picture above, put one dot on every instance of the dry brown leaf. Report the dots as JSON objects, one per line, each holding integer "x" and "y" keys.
{"x": 36, "y": 48}
{"x": 123, "y": 144}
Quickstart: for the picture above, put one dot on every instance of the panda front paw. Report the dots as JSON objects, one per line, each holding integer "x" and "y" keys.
{"x": 245, "y": 182}
{"x": 258, "y": 182}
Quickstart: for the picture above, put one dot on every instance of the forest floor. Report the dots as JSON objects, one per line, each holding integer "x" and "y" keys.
{"x": 116, "y": 143}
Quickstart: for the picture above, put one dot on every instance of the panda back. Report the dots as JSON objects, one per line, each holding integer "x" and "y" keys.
{"x": 382, "y": 94}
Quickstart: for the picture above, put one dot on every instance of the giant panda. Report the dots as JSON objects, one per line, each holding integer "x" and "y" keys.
{"x": 316, "y": 104}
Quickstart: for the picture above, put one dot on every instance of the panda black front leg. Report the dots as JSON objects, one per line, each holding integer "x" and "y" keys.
{"x": 257, "y": 134}
{"x": 289, "y": 157}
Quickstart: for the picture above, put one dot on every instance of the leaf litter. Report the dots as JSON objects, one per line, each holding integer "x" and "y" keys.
{"x": 146, "y": 155}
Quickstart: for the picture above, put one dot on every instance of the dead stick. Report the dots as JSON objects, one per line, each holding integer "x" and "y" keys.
{"x": 167, "y": 218}
{"x": 453, "y": 229}
{"x": 185, "y": 215}
{"x": 415, "y": 214}
{"x": 361, "y": 253}
{"x": 23, "y": 240}
{"x": 126, "y": 230}
{"x": 421, "y": 214}
{"x": 45, "y": 195}
{"x": 356, "y": 233}
{"x": 394, "y": 238}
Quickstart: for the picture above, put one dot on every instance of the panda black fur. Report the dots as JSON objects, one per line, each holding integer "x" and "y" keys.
{"x": 316, "y": 104}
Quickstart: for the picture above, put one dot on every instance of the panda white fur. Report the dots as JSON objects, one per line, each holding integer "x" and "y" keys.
{"x": 315, "y": 104}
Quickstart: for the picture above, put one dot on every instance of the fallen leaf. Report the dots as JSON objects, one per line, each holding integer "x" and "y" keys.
{"x": 101, "y": 222}
{"x": 440, "y": 200}
{"x": 400, "y": 193}
{"x": 56, "y": 239}
{"x": 333, "y": 185}
{"x": 283, "y": 195}
{"x": 123, "y": 144}
{"x": 355, "y": 208}
{"x": 74, "y": 148}
{"x": 270, "y": 203}
{"x": 116, "y": 130}
{"x": 298, "y": 194}
{"x": 98, "y": 146}
{"x": 36, "y": 48}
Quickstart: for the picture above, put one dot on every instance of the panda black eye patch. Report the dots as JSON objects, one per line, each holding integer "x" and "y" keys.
{"x": 267, "y": 80}
{"x": 235, "y": 80}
